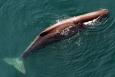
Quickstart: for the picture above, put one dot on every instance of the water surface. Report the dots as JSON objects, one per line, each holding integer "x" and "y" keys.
{"x": 89, "y": 54}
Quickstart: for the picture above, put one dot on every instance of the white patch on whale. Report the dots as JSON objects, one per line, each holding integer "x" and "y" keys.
{"x": 93, "y": 23}
{"x": 65, "y": 31}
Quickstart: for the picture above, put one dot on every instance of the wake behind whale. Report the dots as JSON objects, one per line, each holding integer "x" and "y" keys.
{"x": 65, "y": 29}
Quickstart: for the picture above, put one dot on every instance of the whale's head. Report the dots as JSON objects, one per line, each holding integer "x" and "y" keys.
{"x": 104, "y": 14}
{"x": 96, "y": 17}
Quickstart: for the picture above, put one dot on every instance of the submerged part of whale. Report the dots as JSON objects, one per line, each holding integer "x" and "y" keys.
{"x": 65, "y": 29}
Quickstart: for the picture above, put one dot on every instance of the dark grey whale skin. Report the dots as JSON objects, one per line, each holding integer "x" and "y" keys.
{"x": 62, "y": 30}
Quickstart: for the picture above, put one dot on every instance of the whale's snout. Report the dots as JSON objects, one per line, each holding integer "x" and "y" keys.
{"x": 104, "y": 15}
{"x": 104, "y": 11}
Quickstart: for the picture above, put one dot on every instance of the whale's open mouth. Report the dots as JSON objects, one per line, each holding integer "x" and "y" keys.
{"x": 97, "y": 20}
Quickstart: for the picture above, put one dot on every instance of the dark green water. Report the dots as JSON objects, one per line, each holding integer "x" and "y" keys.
{"x": 91, "y": 54}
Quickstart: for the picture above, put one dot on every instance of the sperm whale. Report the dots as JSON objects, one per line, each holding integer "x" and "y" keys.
{"x": 64, "y": 29}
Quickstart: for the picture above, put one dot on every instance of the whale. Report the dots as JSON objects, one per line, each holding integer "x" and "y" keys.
{"x": 64, "y": 30}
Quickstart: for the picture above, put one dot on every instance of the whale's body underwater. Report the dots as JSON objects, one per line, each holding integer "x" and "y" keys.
{"x": 65, "y": 29}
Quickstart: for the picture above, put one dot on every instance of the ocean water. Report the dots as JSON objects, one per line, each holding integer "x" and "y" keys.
{"x": 91, "y": 53}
